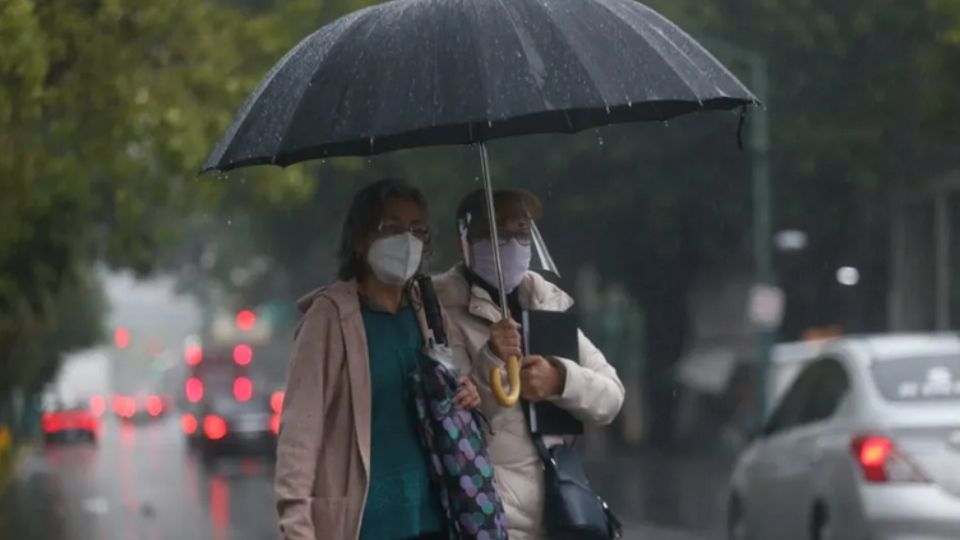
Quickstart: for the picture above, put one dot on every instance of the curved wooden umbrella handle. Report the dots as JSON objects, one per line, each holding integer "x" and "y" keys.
{"x": 513, "y": 376}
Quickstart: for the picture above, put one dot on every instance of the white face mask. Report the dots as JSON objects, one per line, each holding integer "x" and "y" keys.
{"x": 395, "y": 259}
{"x": 514, "y": 257}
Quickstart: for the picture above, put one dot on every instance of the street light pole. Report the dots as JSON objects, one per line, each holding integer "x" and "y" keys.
{"x": 759, "y": 147}
{"x": 762, "y": 219}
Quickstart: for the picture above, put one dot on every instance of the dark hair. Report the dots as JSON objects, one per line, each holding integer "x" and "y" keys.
{"x": 363, "y": 218}
{"x": 509, "y": 202}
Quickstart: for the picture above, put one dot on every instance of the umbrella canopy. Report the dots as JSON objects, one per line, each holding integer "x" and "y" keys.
{"x": 412, "y": 73}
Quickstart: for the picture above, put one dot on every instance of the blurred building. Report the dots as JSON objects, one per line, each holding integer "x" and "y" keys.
{"x": 925, "y": 257}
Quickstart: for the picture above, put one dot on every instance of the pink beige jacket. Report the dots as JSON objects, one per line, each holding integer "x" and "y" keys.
{"x": 323, "y": 454}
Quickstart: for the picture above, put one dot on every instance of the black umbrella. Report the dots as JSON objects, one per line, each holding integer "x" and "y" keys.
{"x": 413, "y": 73}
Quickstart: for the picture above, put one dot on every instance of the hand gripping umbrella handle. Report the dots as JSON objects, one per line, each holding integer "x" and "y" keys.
{"x": 513, "y": 364}
{"x": 513, "y": 375}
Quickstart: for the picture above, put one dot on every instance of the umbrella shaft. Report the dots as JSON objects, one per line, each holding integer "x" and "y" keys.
{"x": 492, "y": 222}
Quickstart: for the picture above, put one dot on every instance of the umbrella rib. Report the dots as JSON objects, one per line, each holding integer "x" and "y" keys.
{"x": 478, "y": 40}
{"x": 574, "y": 50}
{"x": 251, "y": 101}
{"x": 516, "y": 31}
{"x": 669, "y": 41}
{"x": 381, "y": 109}
{"x": 335, "y": 44}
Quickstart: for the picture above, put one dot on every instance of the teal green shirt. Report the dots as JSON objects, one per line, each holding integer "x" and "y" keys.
{"x": 401, "y": 502}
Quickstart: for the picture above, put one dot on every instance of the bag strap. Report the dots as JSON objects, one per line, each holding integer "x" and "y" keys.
{"x": 431, "y": 309}
{"x": 542, "y": 450}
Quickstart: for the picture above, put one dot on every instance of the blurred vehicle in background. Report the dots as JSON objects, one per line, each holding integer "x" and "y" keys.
{"x": 68, "y": 422}
{"x": 786, "y": 362}
{"x": 144, "y": 404}
{"x": 864, "y": 444}
{"x": 223, "y": 425}
{"x": 231, "y": 401}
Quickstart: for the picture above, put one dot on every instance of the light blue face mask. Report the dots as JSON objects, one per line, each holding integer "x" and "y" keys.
{"x": 514, "y": 258}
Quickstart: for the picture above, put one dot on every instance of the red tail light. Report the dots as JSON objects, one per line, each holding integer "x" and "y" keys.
{"x": 242, "y": 354}
{"x": 881, "y": 462}
{"x": 242, "y": 388}
{"x": 276, "y": 402}
{"x": 189, "y": 423}
{"x": 154, "y": 405}
{"x": 214, "y": 427}
{"x": 275, "y": 424}
{"x": 193, "y": 355}
{"x": 121, "y": 338}
{"x": 194, "y": 389}
{"x": 246, "y": 320}
{"x": 124, "y": 406}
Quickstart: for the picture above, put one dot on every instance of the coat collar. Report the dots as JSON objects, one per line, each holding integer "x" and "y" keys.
{"x": 535, "y": 293}
{"x": 344, "y": 295}
{"x": 345, "y": 298}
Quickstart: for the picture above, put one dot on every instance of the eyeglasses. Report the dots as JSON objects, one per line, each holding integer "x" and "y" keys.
{"x": 523, "y": 237}
{"x": 391, "y": 228}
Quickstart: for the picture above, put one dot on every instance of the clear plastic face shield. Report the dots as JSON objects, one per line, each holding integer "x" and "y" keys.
{"x": 540, "y": 260}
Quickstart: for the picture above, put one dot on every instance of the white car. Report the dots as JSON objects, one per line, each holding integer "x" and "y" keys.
{"x": 863, "y": 445}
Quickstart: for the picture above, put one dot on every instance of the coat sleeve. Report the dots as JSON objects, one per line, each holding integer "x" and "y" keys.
{"x": 458, "y": 347}
{"x": 592, "y": 390}
{"x": 476, "y": 365}
{"x": 302, "y": 425}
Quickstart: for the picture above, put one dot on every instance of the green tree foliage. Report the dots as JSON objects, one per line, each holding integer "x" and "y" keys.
{"x": 943, "y": 67}
{"x": 107, "y": 109}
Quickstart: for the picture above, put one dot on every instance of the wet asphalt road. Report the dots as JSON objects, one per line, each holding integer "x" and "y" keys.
{"x": 141, "y": 482}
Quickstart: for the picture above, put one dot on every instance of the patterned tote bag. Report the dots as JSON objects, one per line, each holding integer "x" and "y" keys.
{"x": 459, "y": 462}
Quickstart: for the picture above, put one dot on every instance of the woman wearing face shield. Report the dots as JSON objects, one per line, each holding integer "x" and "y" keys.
{"x": 349, "y": 461}
{"x": 589, "y": 389}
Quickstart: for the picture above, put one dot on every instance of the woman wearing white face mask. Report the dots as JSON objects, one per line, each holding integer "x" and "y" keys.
{"x": 350, "y": 463}
{"x": 589, "y": 389}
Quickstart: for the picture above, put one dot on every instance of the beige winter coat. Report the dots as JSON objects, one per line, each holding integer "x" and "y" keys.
{"x": 323, "y": 454}
{"x": 592, "y": 391}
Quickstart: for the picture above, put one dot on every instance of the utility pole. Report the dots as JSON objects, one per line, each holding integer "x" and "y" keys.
{"x": 759, "y": 148}
{"x": 762, "y": 217}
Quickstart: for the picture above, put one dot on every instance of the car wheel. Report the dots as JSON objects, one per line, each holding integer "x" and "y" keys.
{"x": 736, "y": 520}
{"x": 820, "y": 526}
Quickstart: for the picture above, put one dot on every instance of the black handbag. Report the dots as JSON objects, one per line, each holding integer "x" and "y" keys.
{"x": 572, "y": 510}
